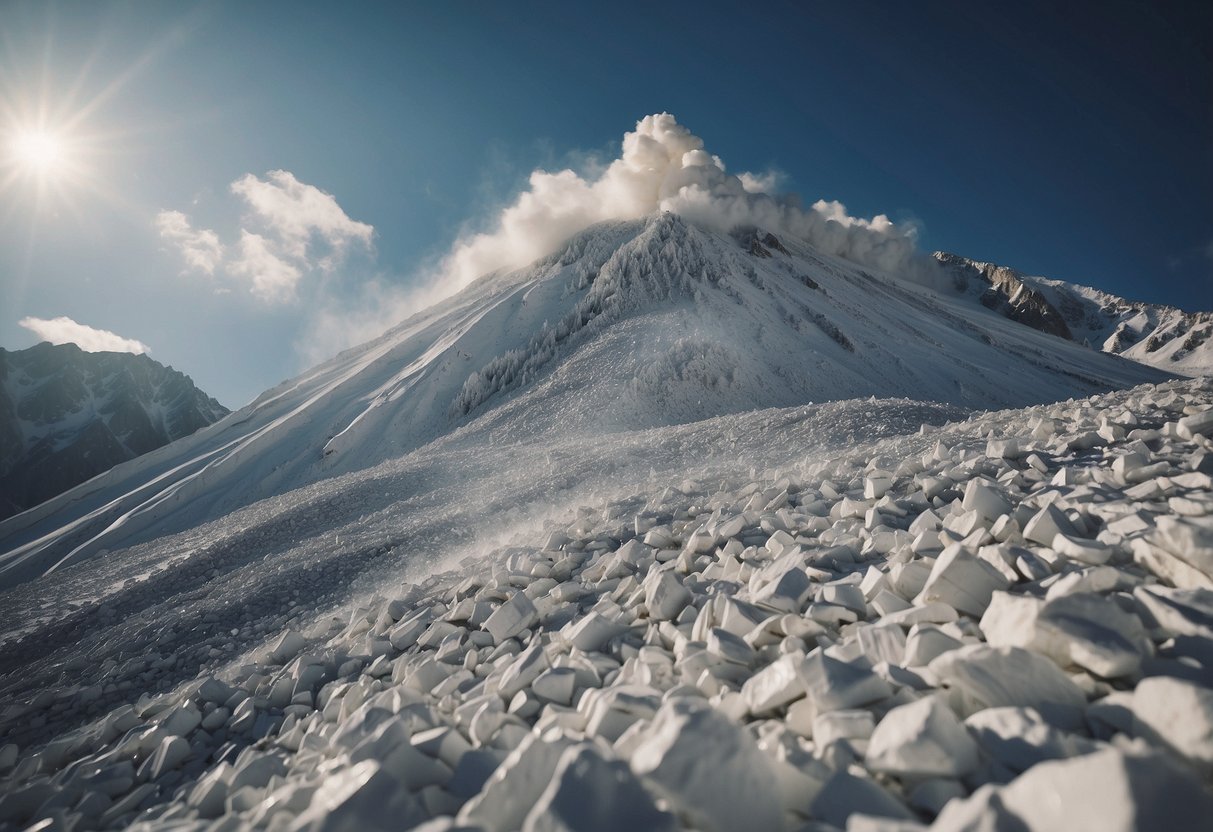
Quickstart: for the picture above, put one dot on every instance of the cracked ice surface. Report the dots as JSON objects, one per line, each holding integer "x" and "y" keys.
{"x": 1004, "y": 622}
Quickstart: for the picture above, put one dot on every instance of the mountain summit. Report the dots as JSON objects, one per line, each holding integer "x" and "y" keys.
{"x": 631, "y": 325}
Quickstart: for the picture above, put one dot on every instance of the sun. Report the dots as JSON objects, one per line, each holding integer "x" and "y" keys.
{"x": 38, "y": 151}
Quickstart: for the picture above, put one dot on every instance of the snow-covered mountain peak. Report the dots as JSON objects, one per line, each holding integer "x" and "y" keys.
{"x": 631, "y": 325}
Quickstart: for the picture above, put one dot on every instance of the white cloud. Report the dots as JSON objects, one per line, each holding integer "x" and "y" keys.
{"x": 766, "y": 182}
{"x": 272, "y": 277}
{"x": 297, "y": 213}
{"x": 199, "y": 246}
{"x": 64, "y": 330}
{"x": 664, "y": 167}
{"x": 292, "y": 230}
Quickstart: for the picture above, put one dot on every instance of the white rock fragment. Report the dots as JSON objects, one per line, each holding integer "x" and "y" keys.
{"x": 1046, "y": 524}
{"x": 832, "y": 685}
{"x": 926, "y": 642}
{"x": 665, "y": 596}
{"x": 986, "y": 677}
{"x": 1198, "y": 423}
{"x": 514, "y": 788}
{"x": 555, "y": 685}
{"x": 1084, "y": 551}
{"x": 709, "y": 769}
{"x": 589, "y": 793}
{"x": 522, "y": 671}
{"x": 1179, "y": 715}
{"x": 729, "y": 647}
{"x": 1188, "y": 538}
{"x": 1019, "y": 738}
{"x": 775, "y": 686}
{"x": 362, "y": 796}
{"x": 962, "y": 580}
{"x": 287, "y": 647}
{"x": 593, "y": 632}
{"x": 171, "y": 753}
{"x": 511, "y": 618}
{"x": 982, "y": 497}
{"x": 1183, "y": 612}
{"x": 1080, "y": 629}
{"x": 842, "y": 725}
{"x": 922, "y": 739}
{"x": 1106, "y": 790}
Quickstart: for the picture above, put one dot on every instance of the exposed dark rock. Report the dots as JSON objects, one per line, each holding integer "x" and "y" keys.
{"x": 67, "y": 415}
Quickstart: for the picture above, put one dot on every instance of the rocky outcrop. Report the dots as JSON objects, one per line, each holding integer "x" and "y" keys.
{"x": 1007, "y": 294}
{"x": 1161, "y": 336}
{"x": 67, "y": 415}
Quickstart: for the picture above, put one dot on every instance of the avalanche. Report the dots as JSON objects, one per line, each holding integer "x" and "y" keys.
{"x": 989, "y": 623}
{"x": 630, "y": 325}
{"x": 659, "y": 531}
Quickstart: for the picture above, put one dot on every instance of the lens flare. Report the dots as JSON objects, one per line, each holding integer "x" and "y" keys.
{"x": 38, "y": 151}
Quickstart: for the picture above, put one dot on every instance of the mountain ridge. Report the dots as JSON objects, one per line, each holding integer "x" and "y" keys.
{"x": 630, "y": 325}
{"x": 1162, "y": 336}
{"x": 67, "y": 415}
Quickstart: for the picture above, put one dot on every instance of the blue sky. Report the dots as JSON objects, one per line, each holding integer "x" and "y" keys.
{"x": 1076, "y": 143}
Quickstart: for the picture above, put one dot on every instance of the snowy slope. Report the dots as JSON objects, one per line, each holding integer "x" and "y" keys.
{"x": 66, "y": 415}
{"x": 630, "y": 325}
{"x": 988, "y": 624}
{"x": 1161, "y": 336}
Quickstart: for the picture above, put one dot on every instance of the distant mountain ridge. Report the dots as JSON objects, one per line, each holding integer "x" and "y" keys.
{"x": 67, "y": 415}
{"x": 1161, "y": 336}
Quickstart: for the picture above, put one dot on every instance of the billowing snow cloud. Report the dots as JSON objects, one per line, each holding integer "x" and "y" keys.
{"x": 64, "y": 330}
{"x": 664, "y": 167}
{"x": 273, "y": 278}
{"x": 291, "y": 229}
{"x": 199, "y": 246}
{"x": 296, "y": 213}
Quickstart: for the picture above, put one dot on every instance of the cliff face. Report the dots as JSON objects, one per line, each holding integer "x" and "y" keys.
{"x": 67, "y": 415}
{"x": 1161, "y": 336}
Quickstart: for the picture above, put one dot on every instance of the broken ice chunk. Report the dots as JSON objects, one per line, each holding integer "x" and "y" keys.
{"x": 922, "y": 739}
{"x": 833, "y": 685}
{"x": 362, "y": 796}
{"x": 774, "y": 686}
{"x": 1019, "y": 738}
{"x": 1106, "y": 790}
{"x": 1046, "y": 524}
{"x": 1179, "y": 714}
{"x": 664, "y": 595}
{"x": 1082, "y": 629}
{"x": 986, "y": 677}
{"x": 962, "y": 580}
{"x": 589, "y": 793}
{"x": 709, "y": 769}
{"x": 511, "y": 618}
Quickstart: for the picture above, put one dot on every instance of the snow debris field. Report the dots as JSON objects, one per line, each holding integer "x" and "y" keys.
{"x": 1002, "y": 623}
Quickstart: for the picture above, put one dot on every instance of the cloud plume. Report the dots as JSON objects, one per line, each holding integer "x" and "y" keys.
{"x": 63, "y": 330}
{"x": 665, "y": 167}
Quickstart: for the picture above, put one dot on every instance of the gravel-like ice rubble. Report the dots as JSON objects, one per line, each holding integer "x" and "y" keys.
{"x": 1002, "y": 623}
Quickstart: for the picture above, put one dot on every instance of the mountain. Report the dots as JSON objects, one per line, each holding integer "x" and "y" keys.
{"x": 1161, "y": 336}
{"x": 67, "y": 415}
{"x": 629, "y": 326}
{"x": 658, "y": 532}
